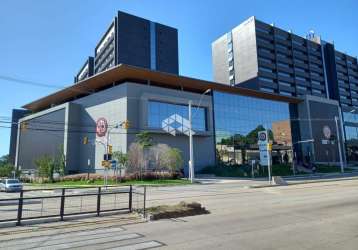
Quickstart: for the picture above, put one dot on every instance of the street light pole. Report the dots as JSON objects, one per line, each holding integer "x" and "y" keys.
{"x": 191, "y": 152}
{"x": 339, "y": 145}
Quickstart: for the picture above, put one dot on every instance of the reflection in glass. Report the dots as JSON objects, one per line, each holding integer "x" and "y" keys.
{"x": 238, "y": 119}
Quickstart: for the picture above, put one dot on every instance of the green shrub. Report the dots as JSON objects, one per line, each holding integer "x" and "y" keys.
{"x": 6, "y": 170}
{"x": 45, "y": 167}
{"x": 246, "y": 171}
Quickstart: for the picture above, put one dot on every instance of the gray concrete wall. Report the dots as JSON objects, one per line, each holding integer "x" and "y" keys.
{"x": 245, "y": 51}
{"x": 44, "y": 136}
{"x": 127, "y": 101}
{"x": 138, "y": 97}
{"x": 219, "y": 51}
{"x": 110, "y": 104}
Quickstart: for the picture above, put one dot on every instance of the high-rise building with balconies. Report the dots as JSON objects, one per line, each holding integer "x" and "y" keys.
{"x": 264, "y": 57}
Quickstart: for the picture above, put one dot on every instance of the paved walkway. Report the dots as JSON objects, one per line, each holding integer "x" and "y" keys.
{"x": 263, "y": 182}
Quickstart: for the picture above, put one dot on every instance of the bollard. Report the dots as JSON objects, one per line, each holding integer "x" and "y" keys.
{"x": 62, "y": 207}
{"x": 19, "y": 209}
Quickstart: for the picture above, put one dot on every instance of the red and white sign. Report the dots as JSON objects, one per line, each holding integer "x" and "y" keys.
{"x": 101, "y": 127}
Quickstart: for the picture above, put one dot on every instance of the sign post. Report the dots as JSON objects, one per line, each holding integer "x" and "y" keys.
{"x": 265, "y": 148}
{"x": 269, "y": 149}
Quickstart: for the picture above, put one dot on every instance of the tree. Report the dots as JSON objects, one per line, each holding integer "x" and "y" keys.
{"x": 4, "y": 160}
{"x": 144, "y": 139}
{"x": 45, "y": 166}
{"x": 60, "y": 161}
{"x": 6, "y": 170}
{"x": 175, "y": 160}
{"x": 122, "y": 160}
{"x": 135, "y": 158}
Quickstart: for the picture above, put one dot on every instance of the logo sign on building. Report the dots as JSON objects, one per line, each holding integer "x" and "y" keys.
{"x": 262, "y": 142}
{"x": 176, "y": 123}
{"x": 327, "y": 133}
{"x": 101, "y": 127}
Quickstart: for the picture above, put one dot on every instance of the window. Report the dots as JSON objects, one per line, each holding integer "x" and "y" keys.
{"x": 159, "y": 111}
{"x": 284, "y": 74}
{"x": 265, "y": 69}
{"x": 238, "y": 118}
{"x": 281, "y": 47}
{"x": 301, "y": 87}
{"x": 316, "y": 82}
{"x": 265, "y": 79}
{"x": 316, "y": 91}
{"x": 300, "y": 70}
{"x": 263, "y": 30}
{"x": 285, "y": 93}
{"x": 315, "y": 74}
{"x": 284, "y": 65}
{"x": 300, "y": 78}
{"x": 279, "y": 55}
{"x": 285, "y": 84}
{"x": 265, "y": 50}
{"x": 265, "y": 60}
{"x": 267, "y": 90}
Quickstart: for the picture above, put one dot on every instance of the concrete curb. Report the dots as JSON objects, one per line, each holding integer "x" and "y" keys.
{"x": 305, "y": 182}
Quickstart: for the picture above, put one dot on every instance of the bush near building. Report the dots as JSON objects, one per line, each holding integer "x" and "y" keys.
{"x": 145, "y": 161}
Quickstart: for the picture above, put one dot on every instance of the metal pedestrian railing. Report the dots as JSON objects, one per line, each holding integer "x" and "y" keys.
{"x": 65, "y": 202}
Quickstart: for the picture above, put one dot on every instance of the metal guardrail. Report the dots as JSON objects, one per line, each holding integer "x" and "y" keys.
{"x": 70, "y": 202}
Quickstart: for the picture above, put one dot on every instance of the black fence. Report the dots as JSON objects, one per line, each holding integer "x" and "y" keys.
{"x": 60, "y": 203}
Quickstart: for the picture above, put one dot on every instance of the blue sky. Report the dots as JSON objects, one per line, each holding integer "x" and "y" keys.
{"x": 48, "y": 41}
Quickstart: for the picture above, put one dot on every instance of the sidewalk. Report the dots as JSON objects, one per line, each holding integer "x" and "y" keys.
{"x": 291, "y": 180}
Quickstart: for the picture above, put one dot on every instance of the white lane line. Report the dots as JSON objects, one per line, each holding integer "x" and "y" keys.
{"x": 139, "y": 246}
{"x": 82, "y": 235}
{"x": 90, "y": 242}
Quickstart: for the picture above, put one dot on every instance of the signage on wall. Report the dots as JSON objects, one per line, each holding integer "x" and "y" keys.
{"x": 101, "y": 127}
{"x": 176, "y": 123}
{"x": 327, "y": 133}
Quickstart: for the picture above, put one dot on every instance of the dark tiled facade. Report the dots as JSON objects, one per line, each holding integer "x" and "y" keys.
{"x": 139, "y": 42}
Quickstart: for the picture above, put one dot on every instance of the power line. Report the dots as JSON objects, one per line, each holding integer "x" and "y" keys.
{"x": 28, "y": 82}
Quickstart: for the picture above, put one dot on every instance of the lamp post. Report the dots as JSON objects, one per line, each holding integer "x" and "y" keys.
{"x": 339, "y": 145}
{"x": 191, "y": 147}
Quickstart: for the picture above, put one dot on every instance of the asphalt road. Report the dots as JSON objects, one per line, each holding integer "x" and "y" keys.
{"x": 309, "y": 216}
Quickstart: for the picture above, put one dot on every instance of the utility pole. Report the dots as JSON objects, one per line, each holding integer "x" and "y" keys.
{"x": 339, "y": 145}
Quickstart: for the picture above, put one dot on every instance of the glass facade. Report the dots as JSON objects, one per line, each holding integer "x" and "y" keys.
{"x": 351, "y": 135}
{"x": 238, "y": 119}
{"x": 159, "y": 111}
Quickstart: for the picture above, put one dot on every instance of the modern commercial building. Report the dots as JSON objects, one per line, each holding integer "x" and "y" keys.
{"x": 296, "y": 103}
{"x": 225, "y": 121}
{"x": 146, "y": 98}
{"x": 139, "y": 42}
{"x": 266, "y": 58}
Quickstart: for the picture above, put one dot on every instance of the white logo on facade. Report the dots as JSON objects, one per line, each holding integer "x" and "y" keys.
{"x": 176, "y": 123}
{"x": 327, "y": 132}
